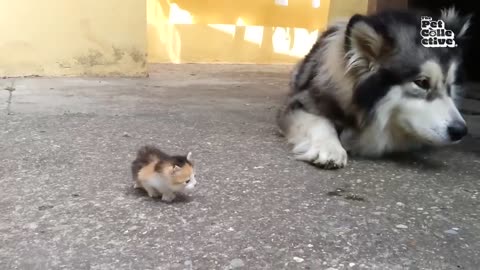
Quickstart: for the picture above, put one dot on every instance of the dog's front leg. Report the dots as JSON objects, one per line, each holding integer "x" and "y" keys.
{"x": 315, "y": 140}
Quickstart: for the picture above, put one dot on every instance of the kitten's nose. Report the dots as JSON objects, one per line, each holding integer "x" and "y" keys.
{"x": 457, "y": 130}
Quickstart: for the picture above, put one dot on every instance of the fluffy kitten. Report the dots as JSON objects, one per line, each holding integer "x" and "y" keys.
{"x": 161, "y": 174}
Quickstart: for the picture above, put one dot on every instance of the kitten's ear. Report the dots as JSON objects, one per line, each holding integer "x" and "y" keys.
{"x": 174, "y": 169}
{"x": 189, "y": 156}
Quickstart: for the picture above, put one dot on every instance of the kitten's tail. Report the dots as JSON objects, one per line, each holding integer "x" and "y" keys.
{"x": 145, "y": 155}
{"x": 147, "y": 150}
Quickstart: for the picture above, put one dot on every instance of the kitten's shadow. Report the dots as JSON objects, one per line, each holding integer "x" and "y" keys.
{"x": 141, "y": 193}
{"x": 182, "y": 198}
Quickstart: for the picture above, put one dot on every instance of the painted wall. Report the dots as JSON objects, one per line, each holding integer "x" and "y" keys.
{"x": 232, "y": 31}
{"x": 72, "y": 37}
{"x": 110, "y": 37}
{"x": 346, "y": 8}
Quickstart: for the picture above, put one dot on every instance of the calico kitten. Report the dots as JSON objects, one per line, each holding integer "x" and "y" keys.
{"x": 161, "y": 174}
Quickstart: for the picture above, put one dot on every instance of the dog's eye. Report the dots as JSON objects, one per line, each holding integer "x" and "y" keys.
{"x": 423, "y": 83}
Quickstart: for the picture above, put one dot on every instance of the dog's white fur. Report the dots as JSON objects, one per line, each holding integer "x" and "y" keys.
{"x": 315, "y": 139}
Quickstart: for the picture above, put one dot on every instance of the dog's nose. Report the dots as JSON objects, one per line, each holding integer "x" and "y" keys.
{"x": 457, "y": 130}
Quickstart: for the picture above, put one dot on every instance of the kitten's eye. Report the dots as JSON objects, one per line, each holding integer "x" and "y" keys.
{"x": 423, "y": 83}
{"x": 188, "y": 181}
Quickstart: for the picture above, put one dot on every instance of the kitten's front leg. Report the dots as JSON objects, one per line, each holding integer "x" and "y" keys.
{"x": 152, "y": 193}
{"x": 168, "y": 196}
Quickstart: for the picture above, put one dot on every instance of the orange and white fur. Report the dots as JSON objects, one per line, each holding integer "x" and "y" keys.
{"x": 160, "y": 174}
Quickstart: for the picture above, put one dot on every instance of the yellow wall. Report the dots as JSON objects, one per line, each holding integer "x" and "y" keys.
{"x": 232, "y": 31}
{"x": 346, "y": 8}
{"x": 72, "y": 37}
{"x": 109, "y": 37}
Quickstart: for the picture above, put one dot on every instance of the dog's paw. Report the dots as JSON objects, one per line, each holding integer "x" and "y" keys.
{"x": 327, "y": 155}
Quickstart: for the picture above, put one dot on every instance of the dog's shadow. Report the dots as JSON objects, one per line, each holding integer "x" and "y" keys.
{"x": 419, "y": 160}
{"x": 141, "y": 193}
{"x": 427, "y": 158}
{"x": 416, "y": 160}
{"x": 470, "y": 145}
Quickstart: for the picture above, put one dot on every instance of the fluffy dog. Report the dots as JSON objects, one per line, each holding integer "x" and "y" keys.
{"x": 372, "y": 85}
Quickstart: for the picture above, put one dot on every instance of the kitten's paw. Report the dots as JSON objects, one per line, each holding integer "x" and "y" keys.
{"x": 326, "y": 154}
{"x": 153, "y": 195}
{"x": 151, "y": 192}
{"x": 168, "y": 197}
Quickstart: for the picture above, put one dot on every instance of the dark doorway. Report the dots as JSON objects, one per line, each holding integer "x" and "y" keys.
{"x": 472, "y": 56}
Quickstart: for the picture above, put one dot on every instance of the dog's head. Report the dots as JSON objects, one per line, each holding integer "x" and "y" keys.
{"x": 403, "y": 81}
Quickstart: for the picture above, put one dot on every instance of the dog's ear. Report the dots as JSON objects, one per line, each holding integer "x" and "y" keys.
{"x": 456, "y": 23}
{"x": 368, "y": 38}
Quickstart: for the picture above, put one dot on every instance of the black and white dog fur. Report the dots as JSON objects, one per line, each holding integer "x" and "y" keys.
{"x": 368, "y": 86}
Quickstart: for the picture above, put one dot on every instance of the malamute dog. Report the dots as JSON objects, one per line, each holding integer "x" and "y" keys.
{"x": 370, "y": 86}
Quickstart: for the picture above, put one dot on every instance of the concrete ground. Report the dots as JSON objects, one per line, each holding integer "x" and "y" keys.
{"x": 67, "y": 201}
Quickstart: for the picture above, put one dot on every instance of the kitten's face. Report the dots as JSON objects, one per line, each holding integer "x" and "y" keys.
{"x": 183, "y": 178}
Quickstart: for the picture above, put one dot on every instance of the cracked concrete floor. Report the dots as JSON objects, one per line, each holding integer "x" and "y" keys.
{"x": 67, "y": 201}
